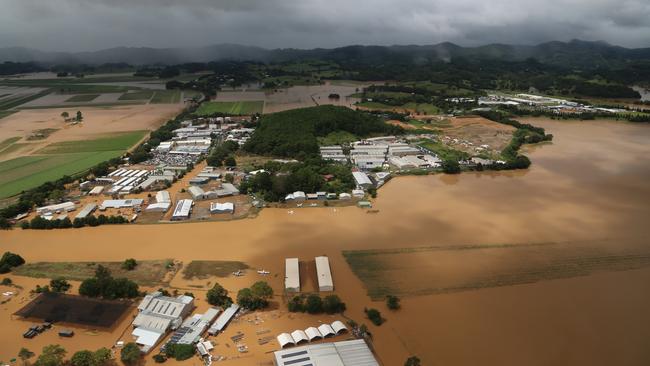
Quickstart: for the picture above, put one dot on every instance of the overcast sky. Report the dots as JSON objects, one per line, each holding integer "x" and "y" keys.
{"x": 80, "y": 25}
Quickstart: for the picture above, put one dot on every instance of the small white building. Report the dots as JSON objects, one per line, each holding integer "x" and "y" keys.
{"x": 96, "y": 190}
{"x": 292, "y": 275}
{"x": 358, "y": 193}
{"x": 324, "y": 274}
{"x": 218, "y": 208}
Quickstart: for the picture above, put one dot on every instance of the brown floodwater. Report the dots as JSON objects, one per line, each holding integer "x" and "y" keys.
{"x": 589, "y": 186}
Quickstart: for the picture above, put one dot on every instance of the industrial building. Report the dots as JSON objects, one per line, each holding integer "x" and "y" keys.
{"x": 120, "y": 203}
{"x": 224, "y": 319}
{"x": 158, "y": 314}
{"x": 183, "y": 210}
{"x": 345, "y": 353}
{"x": 58, "y": 208}
{"x": 87, "y": 210}
{"x": 292, "y": 275}
{"x": 324, "y": 274}
{"x": 334, "y": 153}
{"x": 362, "y": 180}
{"x": 310, "y": 334}
{"x": 193, "y": 327}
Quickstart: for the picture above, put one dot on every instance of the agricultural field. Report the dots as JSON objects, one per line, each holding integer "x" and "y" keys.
{"x": 166, "y": 96}
{"x": 146, "y": 273}
{"x": 115, "y": 142}
{"x": 28, "y": 172}
{"x": 447, "y": 269}
{"x": 138, "y": 95}
{"x": 59, "y": 159}
{"x": 82, "y": 98}
{"x": 234, "y": 108}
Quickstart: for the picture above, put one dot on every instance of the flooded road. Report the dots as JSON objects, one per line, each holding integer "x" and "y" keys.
{"x": 590, "y": 186}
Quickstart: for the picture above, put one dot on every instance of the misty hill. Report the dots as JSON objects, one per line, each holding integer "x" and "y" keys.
{"x": 575, "y": 53}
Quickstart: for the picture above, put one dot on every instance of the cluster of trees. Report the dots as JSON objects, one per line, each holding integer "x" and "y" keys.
{"x": 218, "y": 296}
{"x": 12, "y": 68}
{"x": 55, "y": 355}
{"x": 280, "y": 179}
{"x": 223, "y": 154}
{"x": 179, "y": 352}
{"x": 104, "y": 285}
{"x": 393, "y": 302}
{"x": 60, "y": 285}
{"x": 39, "y": 223}
{"x": 255, "y": 297}
{"x": 294, "y": 133}
{"x": 374, "y": 316}
{"x": 10, "y": 260}
{"x": 313, "y": 304}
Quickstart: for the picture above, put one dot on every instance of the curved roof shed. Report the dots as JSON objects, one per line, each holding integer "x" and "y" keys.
{"x": 312, "y": 333}
{"x": 326, "y": 330}
{"x": 285, "y": 340}
{"x": 339, "y": 327}
{"x": 299, "y": 336}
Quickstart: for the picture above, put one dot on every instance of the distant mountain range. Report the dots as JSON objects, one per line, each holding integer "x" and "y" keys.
{"x": 575, "y": 53}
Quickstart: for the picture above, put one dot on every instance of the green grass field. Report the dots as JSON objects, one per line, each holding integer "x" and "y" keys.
{"x": 27, "y": 172}
{"x": 59, "y": 159}
{"x": 235, "y": 108}
{"x": 82, "y": 98}
{"x": 139, "y": 95}
{"x": 207, "y": 269}
{"x": 166, "y": 97}
{"x": 117, "y": 141}
{"x": 8, "y": 142}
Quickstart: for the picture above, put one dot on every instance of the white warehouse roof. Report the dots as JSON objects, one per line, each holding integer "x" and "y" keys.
{"x": 326, "y": 330}
{"x": 292, "y": 275}
{"x": 338, "y": 326}
{"x": 324, "y": 274}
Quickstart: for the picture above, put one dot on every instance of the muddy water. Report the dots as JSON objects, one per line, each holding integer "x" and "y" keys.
{"x": 590, "y": 184}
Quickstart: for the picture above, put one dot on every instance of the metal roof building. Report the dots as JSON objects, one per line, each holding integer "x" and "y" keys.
{"x": 163, "y": 196}
{"x": 324, "y": 274}
{"x": 121, "y": 203}
{"x": 345, "y": 353}
{"x": 182, "y": 210}
{"x": 362, "y": 179}
{"x": 87, "y": 210}
{"x": 292, "y": 275}
{"x": 224, "y": 319}
{"x": 156, "y": 315}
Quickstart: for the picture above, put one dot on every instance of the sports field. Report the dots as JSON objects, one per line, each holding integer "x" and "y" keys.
{"x": 59, "y": 159}
{"x": 235, "y": 108}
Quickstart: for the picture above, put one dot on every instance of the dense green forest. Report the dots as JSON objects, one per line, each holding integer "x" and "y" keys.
{"x": 295, "y": 133}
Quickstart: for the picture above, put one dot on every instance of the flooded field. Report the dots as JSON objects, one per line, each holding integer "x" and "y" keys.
{"x": 587, "y": 191}
{"x": 296, "y": 96}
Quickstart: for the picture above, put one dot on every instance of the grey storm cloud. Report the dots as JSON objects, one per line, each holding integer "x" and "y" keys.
{"x": 77, "y": 25}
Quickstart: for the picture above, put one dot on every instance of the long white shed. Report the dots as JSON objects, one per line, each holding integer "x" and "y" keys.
{"x": 324, "y": 274}
{"x": 292, "y": 275}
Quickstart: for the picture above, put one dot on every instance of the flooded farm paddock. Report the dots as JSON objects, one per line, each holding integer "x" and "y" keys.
{"x": 587, "y": 191}
{"x": 296, "y": 96}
